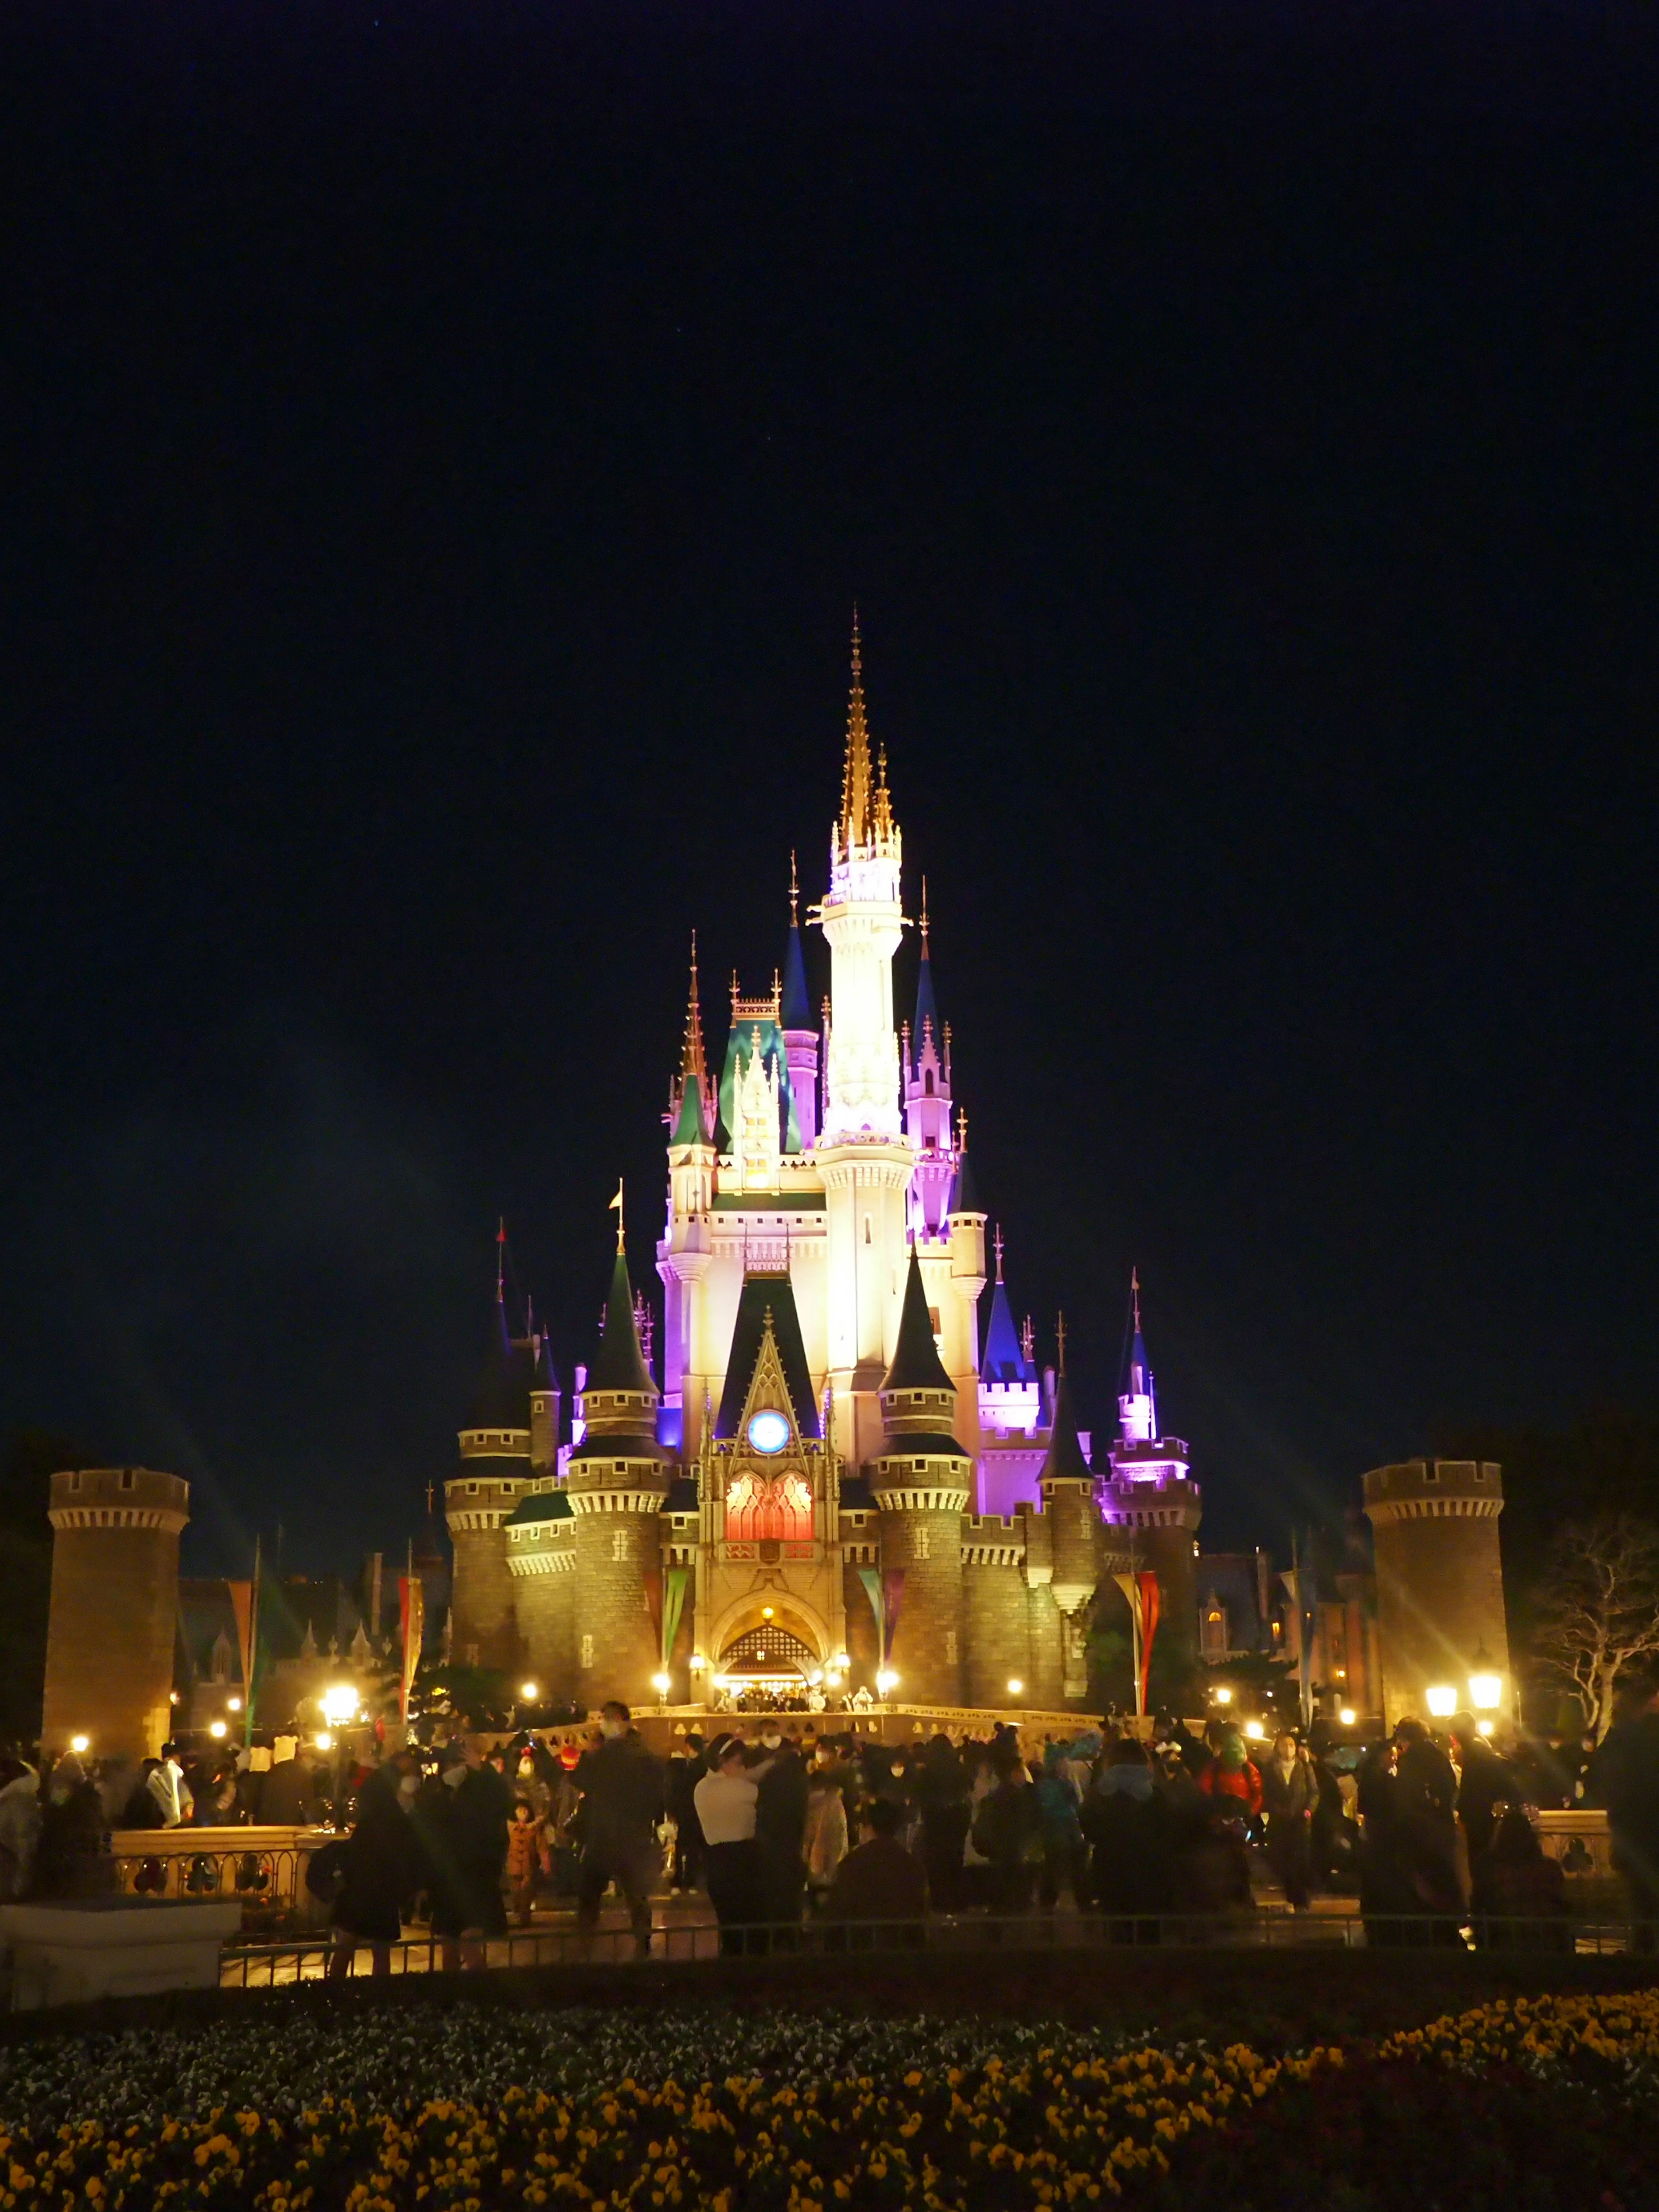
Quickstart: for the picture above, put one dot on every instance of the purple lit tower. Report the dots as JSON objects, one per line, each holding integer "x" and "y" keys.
{"x": 1149, "y": 1494}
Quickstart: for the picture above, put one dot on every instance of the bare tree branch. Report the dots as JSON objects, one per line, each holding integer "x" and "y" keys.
{"x": 1598, "y": 1609}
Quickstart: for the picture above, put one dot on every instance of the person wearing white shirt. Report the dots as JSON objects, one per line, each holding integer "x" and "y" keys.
{"x": 725, "y": 1798}
{"x": 168, "y": 1787}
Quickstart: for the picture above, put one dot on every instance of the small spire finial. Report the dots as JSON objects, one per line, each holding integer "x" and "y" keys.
{"x": 617, "y": 1203}
{"x": 996, "y": 1240}
{"x": 1059, "y": 1332}
{"x": 794, "y": 894}
{"x": 1134, "y": 1292}
{"x": 428, "y": 1501}
{"x": 924, "y": 898}
{"x": 962, "y": 1128}
{"x": 501, "y": 1258}
{"x": 1027, "y": 1342}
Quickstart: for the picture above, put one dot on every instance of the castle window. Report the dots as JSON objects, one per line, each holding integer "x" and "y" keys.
{"x": 587, "y": 1651}
{"x": 1430, "y": 1475}
{"x": 472, "y": 1490}
{"x": 74, "y": 1480}
{"x": 928, "y": 1081}
{"x": 126, "y": 1478}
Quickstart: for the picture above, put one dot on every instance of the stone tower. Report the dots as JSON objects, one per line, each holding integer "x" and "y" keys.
{"x": 114, "y": 1608}
{"x": 541, "y": 1558}
{"x": 618, "y": 1484}
{"x": 1439, "y": 1580}
{"x": 919, "y": 1481}
{"x": 1066, "y": 1488}
{"x": 1151, "y": 1504}
{"x": 514, "y": 1416}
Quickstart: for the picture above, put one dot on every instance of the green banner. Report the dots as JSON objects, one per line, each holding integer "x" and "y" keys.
{"x": 673, "y": 1604}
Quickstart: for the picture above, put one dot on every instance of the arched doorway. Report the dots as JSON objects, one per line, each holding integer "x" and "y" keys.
{"x": 767, "y": 1657}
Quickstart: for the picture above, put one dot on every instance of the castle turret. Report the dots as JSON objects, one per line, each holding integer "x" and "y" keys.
{"x": 919, "y": 1479}
{"x": 496, "y": 1469}
{"x": 114, "y": 1608}
{"x": 618, "y": 1480}
{"x": 686, "y": 1251}
{"x": 800, "y": 1038}
{"x": 1067, "y": 1491}
{"x": 1440, "y": 1617}
{"x": 1151, "y": 1505}
{"x": 928, "y": 1102}
{"x": 862, "y": 1154}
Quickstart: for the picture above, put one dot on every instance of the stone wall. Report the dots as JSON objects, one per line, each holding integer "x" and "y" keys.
{"x": 114, "y": 1608}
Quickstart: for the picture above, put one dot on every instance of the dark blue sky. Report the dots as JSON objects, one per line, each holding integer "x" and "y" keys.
{"x": 442, "y": 447}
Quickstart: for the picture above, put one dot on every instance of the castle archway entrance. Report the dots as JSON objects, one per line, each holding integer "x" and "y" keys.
{"x": 768, "y": 1644}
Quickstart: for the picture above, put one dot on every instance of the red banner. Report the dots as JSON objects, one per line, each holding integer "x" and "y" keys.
{"x": 242, "y": 1604}
{"x": 1149, "y": 1618}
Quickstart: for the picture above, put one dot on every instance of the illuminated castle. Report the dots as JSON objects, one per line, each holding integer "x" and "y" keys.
{"x": 846, "y": 1470}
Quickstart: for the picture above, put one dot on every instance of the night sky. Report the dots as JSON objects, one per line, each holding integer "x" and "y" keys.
{"x": 442, "y": 446}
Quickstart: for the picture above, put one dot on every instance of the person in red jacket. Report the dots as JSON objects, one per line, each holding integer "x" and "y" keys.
{"x": 1232, "y": 1774}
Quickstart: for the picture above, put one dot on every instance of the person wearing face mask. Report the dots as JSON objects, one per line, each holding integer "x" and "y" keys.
{"x": 382, "y": 1867}
{"x": 726, "y": 1800}
{"x": 781, "y": 1828}
{"x": 623, "y": 1785}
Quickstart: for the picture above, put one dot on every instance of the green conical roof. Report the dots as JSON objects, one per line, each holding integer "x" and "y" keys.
{"x": 916, "y": 1364}
{"x": 618, "y": 1363}
{"x": 688, "y": 1125}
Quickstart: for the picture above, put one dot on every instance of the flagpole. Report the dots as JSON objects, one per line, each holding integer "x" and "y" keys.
{"x": 253, "y": 1649}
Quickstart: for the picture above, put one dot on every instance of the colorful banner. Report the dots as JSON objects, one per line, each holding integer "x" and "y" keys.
{"x": 654, "y": 1599}
{"x": 411, "y": 1616}
{"x": 242, "y": 1604}
{"x": 872, "y": 1582}
{"x": 1151, "y": 1611}
{"x": 673, "y": 1606}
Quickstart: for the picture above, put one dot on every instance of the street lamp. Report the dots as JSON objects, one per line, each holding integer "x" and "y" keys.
{"x": 527, "y": 1692}
{"x": 1485, "y": 1688}
{"x": 1346, "y": 1717}
{"x": 324, "y": 1740}
{"x": 1016, "y": 1687}
{"x": 1222, "y": 1694}
{"x": 1441, "y": 1699}
{"x": 235, "y": 1705}
{"x": 79, "y": 1744}
{"x": 217, "y": 1729}
{"x": 660, "y": 1683}
{"x": 886, "y": 1681}
{"x": 1255, "y": 1730}
{"x": 339, "y": 1704}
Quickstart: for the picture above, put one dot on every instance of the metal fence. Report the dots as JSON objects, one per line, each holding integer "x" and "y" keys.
{"x": 267, "y": 1966}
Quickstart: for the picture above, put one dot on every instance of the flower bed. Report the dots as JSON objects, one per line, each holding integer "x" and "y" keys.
{"x": 472, "y": 2107}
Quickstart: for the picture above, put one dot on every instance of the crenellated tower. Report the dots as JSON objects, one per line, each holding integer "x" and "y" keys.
{"x": 1150, "y": 1503}
{"x": 919, "y": 1479}
{"x": 617, "y": 1482}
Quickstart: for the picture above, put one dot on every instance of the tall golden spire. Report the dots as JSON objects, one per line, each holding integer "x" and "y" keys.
{"x": 692, "y": 1061}
{"x": 856, "y": 823}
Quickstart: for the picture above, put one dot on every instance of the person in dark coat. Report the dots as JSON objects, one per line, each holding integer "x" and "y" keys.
{"x": 288, "y": 1798}
{"x": 72, "y": 1858}
{"x": 685, "y": 1769}
{"x": 1124, "y": 1822}
{"x": 942, "y": 1792}
{"x": 1485, "y": 1787}
{"x": 1517, "y": 1895}
{"x": 1425, "y": 1823}
{"x": 382, "y": 1868}
{"x": 1290, "y": 1797}
{"x": 781, "y": 1827}
{"x": 879, "y": 1881}
{"x": 1624, "y": 1778}
{"x": 623, "y": 1794}
{"x": 1005, "y": 1833}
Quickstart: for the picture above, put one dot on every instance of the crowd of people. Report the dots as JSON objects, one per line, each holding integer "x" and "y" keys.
{"x": 794, "y": 1822}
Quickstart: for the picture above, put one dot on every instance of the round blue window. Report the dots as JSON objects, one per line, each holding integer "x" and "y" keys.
{"x": 769, "y": 1431}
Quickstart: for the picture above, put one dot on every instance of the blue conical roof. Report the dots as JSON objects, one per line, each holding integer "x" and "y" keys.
{"x": 927, "y": 1009}
{"x": 797, "y": 1011}
{"x": 1004, "y": 1361}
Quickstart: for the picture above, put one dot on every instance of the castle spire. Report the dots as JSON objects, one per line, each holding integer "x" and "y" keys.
{"x": 996, "y": 1239}
{"x": 500, "y": 1260}
{"x": 692, "y": 1061}
{"x": 855, "y": 780}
